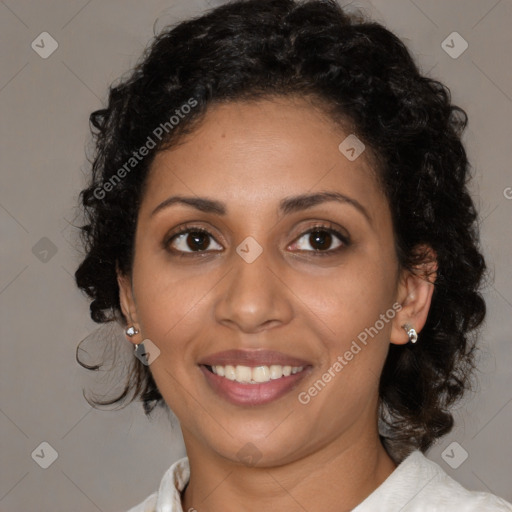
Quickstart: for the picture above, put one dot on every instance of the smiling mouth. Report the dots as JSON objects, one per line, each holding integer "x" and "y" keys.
{"x": 253, "y": 377}
{"x": 253, "y": 374}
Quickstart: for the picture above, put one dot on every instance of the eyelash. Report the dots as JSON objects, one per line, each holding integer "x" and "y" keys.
{"x": 345, "y": 241}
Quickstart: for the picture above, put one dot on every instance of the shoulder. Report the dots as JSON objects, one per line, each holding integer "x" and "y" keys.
{"x": 420, "y": 485}
{"x": 445, "y": 492}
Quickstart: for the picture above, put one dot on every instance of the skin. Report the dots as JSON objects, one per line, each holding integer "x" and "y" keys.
{"x": 324, "y": 455}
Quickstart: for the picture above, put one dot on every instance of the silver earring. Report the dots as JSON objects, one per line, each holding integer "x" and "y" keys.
{"x": 131, "y": 331}
{"x": 140, "y": 351}
{"x": 413, "y": 335}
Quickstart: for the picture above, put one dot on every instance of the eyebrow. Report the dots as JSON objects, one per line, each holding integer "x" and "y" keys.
{"x": 286, "y": 206}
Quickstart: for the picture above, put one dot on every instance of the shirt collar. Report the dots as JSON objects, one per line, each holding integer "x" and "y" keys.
{"x": 174, "y": 481}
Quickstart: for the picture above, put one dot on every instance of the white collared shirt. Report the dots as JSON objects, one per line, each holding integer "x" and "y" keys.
{"x": 416, "y": 485}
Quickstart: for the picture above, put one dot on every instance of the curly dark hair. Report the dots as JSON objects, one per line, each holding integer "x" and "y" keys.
{"x": 362, "y": 75}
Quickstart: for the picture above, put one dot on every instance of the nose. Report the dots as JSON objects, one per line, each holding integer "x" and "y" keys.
{"x": 254, "y": 296}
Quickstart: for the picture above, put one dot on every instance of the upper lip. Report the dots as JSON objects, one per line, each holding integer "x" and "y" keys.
{"x": 251, "y": 358}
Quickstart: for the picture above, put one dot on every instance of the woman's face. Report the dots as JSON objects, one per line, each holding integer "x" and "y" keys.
{"x": 278, "y": 276}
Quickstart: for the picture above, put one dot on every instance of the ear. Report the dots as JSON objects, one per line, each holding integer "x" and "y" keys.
{"x": 415, "y": 290}
{"x": 128, "y": 307}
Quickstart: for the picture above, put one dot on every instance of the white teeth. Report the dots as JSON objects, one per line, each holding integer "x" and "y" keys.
{"x": 257, "y": 374}
{"x": 229, "y": 372}
{"x": 276, "y": 371}
{"x": 243, "y": 374}
{"x": 261, "y": 374}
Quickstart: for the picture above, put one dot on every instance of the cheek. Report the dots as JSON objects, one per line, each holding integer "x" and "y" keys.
{"x": 173, "y": 316}
{"x": 355, "y": 337}
{"x": 174, "y": 309}
{"x": 163, "y": 305}
{"x": 350, "y": 299}
{"x": 345, "y": 314}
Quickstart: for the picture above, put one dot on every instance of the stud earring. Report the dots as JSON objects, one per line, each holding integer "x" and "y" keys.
{"x": 131, "y": 331}
{"x": 413, "y": 335}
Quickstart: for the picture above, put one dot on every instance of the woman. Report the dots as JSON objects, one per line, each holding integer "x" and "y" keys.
{"x": 278, "y": 216}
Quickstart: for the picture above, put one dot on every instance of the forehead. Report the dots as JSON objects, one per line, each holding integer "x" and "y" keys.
{"x": 250, "y": 155}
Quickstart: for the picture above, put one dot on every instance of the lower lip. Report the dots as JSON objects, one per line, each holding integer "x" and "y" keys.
{"x": 252, "y": 394}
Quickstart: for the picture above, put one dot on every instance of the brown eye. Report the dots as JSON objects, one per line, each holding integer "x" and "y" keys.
{"x": 321, "y": 239}
{"x": 191, "y": 240}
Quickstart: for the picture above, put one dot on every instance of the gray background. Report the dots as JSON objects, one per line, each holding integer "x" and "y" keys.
{"x": 111, "y": 460}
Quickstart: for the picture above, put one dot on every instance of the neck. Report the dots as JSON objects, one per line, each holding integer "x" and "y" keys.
{"x": 337, "y": 477}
